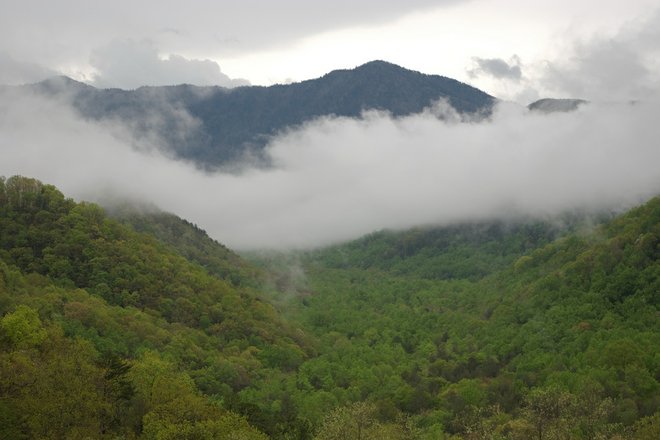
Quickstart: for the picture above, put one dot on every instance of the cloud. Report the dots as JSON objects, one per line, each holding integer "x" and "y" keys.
{"x": 623, "y": 66}
{"x": 14, "y": 72}
{"x": 336, "y": 179}
{"x": 497, "y": 68}
{"x": 613, "y": 66}
{"x": 130, "y": 64}
{"x": 62, "y": 34}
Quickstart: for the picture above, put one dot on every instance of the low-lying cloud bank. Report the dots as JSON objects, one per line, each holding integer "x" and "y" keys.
{"x": 336, "y": 179}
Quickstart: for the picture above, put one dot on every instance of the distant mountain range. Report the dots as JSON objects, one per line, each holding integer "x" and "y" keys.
{"x": 221, "y": 125}
{"x": 551, "y": 105}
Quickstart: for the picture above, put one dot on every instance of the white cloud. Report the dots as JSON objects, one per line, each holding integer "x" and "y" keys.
{"x": 336, "y": 179}
{"x": 623, "y": 66}
{"x": 614, "y": 66}
{"x": 130, "y": 64}
{"x": 497, "y": 68}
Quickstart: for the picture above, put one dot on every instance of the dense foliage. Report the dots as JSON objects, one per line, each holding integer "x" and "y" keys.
{"x": 190, "y": 241}
{"x": 225, "y": 124}
{"x": 486, "y": 331}
{"x": 482, "y": 331}
{"x": 466, "y": 251}
{"x": 101, "y": 297}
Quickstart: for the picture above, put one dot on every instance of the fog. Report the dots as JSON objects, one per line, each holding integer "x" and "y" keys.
{"x": 336, "y": 179}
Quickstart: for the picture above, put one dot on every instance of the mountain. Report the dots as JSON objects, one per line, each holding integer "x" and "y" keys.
{"x": 110, "y": 333}
{"x": 560, "y": 342}
{"x": 139, "y": 326}
{"x": 551, "y": 105}
{"x": 224, "y": 124}
{"x": 190, "y": 241}
{"x": 463, "y": 251}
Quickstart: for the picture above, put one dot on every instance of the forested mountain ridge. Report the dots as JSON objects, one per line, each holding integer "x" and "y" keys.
{"x": 464, "y": 251}
{"x": 224, "y": 124}
{"x": 561, "y": 343}
{"x": 190, "y": 241}
{"x": 110, "y": 333}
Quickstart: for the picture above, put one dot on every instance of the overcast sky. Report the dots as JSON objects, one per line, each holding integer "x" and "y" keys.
{"x": 514, "y": 49}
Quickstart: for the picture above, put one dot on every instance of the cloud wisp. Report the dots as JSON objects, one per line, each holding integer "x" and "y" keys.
{"x": 608, "y": 67}
{"x": 336, "y": 179}
{"x": 497, "y": 68}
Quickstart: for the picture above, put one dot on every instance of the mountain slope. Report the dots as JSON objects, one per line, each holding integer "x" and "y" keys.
{"x": 572, "y": 326}
{"x": 190, "y": 241}
{"x": 135, "y": 316}
{"x": 465, "y": 251}
{"x": 110, "y": 333}
{"x": 223, "y": 124}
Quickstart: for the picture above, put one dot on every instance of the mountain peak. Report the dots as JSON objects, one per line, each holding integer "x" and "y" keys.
{"x": 380, "y": 64}
{"x": 59, "y": 84}
{"x": 378, "y": 67}
{"x": 245, "y": 118}
{"x": 551, "y": 105}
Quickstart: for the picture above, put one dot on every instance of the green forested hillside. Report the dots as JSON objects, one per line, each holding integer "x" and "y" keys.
{"x": 466, "y": 251}
{"x": 150, "y": 333}
{"x": 191, "y": 242}
{"x": 474, "y": 331}
{"x": 563, "y": 343}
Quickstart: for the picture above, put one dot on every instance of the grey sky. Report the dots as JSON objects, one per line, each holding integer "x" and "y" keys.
{"x": 129, "y": 64}
{"x": 58, "y": 33}
{"x": 131, "y": 43}
{"x": 623, "y": 66}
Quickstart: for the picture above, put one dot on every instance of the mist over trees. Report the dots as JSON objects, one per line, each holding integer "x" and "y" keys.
{"x": 212, "y": 126}
{"x": 376, "y": 253}
{"x": 107, "y": 332}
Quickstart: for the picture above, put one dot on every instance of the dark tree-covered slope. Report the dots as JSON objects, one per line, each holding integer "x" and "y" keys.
{"x": 551, "y": 105}
{"x": 190, "y": 241}
{"x": 464, "y": 251}
{"x": 228, "y": 122}
{"x": 144, "y": 342}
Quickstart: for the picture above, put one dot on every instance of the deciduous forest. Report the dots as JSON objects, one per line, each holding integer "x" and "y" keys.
{"x": 130, "y": 323}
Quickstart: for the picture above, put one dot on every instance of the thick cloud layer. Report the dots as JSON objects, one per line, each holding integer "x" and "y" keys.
{"x": 337, "y": 179}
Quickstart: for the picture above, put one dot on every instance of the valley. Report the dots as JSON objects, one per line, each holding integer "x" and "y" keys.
{"x": 138, "y": 325}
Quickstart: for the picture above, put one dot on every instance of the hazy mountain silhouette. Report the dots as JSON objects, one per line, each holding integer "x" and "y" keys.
{"x": 551, "y": 105}
{"x": 226, "y": 123}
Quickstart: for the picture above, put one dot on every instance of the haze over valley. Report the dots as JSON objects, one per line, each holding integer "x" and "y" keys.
{"x": 330, "y": 177}
{"x": 437, "y": 219}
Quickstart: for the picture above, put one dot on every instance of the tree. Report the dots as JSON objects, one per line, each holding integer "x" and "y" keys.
{"x": 547, "y": 409}
{"x": 22, "y": 328}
